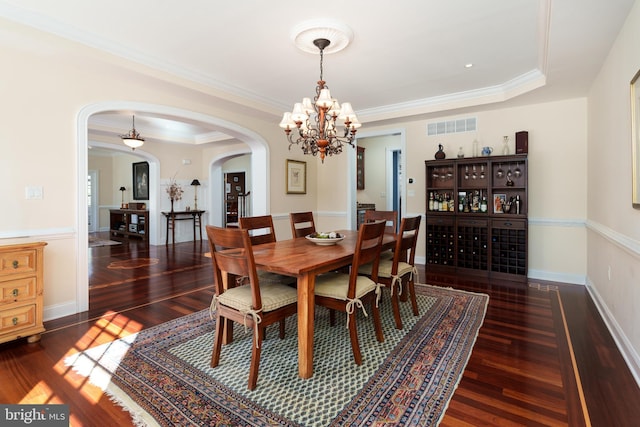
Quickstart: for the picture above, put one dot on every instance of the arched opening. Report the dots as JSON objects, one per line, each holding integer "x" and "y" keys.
{"x": 257, "y": 146}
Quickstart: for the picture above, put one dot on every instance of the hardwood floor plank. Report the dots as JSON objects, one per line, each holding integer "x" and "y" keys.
{"x": 520, "y": 371}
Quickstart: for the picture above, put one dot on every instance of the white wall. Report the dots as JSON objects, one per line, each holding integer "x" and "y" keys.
{"x": 375, "y": 176}
{"x": 46, "y": 156}
{"x": 50, "y": 82}
{"x": 557, "y": 176}
{"x": 614, "y": 226}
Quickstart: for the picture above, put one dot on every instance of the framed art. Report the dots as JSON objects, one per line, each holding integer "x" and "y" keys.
{"x": 498, "y": 201}
{"x": 141, "y": 181}
{"x": 296, "y": 177}
{"x": 635, "y": 140}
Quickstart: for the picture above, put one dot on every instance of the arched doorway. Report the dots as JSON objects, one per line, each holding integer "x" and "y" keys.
{"x": 257, "y": 146}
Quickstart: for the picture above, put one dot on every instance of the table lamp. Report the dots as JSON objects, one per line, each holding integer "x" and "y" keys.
{"x": 122, "y": 189}
{"x": 195, "y": 183}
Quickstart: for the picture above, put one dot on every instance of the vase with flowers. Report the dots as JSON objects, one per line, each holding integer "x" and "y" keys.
{"x": 174, "y": 191}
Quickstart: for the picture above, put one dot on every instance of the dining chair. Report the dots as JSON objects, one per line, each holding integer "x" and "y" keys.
{"x": 254, "y": 305}
{"x": 348, "y": 292}
{"x": 261, "y": 231}
{"x": 399, "y": 273}
{"x": 302, "y": 224}
{"x": 391, "y": 218}
{"x": 260, "y": 228}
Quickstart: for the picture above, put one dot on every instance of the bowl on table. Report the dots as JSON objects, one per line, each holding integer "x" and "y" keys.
{"x": 325, "y": 238}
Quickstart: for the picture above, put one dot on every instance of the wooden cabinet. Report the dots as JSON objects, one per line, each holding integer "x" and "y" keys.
{"x": 129, "y": 223}
{"x": 360, "y": 168}
{"x": 21, "y": 290}
{"x": 477, "y": 216}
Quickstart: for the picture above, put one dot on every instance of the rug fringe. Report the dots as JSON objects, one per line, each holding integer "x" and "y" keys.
{"x": 475, "y": 338}
{"x": 449, "y": 288}
{"x": 97, "y": 376}
{"x": 139, "y": 417}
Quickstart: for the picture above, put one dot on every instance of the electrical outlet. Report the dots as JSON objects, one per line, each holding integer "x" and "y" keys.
{"x": 609, "y": 272}
{"x": 33, "y": 193}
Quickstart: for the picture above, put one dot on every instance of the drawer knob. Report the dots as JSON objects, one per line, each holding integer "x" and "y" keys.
{"x": 15, "y": 292}
{"x": 508, "y": 224}
{"x": 15, "y": 321}
{"x": 15, "y": 264}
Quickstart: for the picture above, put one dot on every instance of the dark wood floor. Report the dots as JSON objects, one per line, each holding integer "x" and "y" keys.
{"x": 521, "y": 372}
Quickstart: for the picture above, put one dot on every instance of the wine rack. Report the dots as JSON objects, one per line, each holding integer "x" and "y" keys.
{"x": 509, "y": 248}
{"x": 473, "y": 241}
{"x": 477, "y": 216}
{"x": 440, "y": 243}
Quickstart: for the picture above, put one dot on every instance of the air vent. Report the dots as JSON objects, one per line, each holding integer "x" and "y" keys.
{"x": 452, "y": 126}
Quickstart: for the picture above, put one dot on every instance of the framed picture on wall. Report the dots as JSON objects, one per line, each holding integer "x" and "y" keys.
{"x": 635, "y": 141}
{"x": 296, "y": 177}
{"x": 141, "y": 181}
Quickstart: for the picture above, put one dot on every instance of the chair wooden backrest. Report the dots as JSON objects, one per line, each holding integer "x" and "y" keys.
{"x": 406, "y": 242}
{"x": 367, "y": 250}
{"x": 231, "y": 253}
{"x": 391, "y": 218}
{"x": 260, "y": 228}
{"x": 302, "y": 224}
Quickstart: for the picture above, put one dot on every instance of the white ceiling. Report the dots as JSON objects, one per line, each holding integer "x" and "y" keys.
{"x": 406, "y": 58}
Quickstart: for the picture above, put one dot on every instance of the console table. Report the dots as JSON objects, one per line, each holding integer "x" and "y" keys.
{"x": 173, "y": 216}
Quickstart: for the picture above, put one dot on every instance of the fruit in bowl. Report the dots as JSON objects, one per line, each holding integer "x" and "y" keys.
{"x": 325, "y": 238}
{"x": 326, "y": 235}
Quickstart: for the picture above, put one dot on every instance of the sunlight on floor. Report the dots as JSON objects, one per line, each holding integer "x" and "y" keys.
{"x": 110, "y": 327}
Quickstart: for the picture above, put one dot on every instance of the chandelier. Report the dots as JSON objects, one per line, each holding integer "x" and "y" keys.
{"x": 313, "y": 125}
{"x": 133, "y": 139}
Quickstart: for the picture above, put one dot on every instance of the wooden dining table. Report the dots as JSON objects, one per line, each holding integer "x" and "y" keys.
{"x": 304, "y": 260}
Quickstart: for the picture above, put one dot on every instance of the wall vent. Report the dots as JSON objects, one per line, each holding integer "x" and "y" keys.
{"x": 452, "y": 126}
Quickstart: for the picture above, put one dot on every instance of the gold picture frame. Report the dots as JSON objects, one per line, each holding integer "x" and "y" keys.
{"x": 296, "y": 177}
{"x": 635, "y": 140}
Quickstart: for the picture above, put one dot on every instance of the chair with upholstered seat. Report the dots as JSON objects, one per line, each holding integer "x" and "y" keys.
{"x": 254, "y": 305}
{"x": 302, "y": 224}
{"x": 350, "y": 292}
{"x": 399, "y": 273}
{"x": 261, "y": 231}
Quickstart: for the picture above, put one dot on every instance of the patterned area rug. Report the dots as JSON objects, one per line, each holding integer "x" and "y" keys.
{"x": 162, "y": 374}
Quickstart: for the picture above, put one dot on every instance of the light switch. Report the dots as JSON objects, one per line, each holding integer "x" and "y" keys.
{"x": 411, "y": 193}
{"x": 33, "y": 193}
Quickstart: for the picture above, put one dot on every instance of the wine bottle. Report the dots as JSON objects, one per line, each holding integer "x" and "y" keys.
{"x": 483, "y": 204}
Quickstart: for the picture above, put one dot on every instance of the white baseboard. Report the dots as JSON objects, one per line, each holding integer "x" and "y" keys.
{"x": 60, "y": 310}
{"x": 553, "y": 276}
{"x": 622, "y": 342}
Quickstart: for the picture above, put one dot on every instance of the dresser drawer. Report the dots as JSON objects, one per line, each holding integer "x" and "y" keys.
{"x": 22, "y": 261}
{"x": 17, "y": 318}
{"x": 17, "y": 290}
